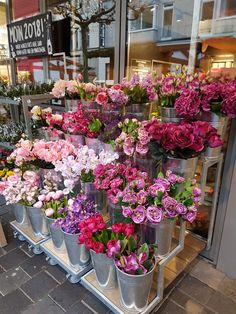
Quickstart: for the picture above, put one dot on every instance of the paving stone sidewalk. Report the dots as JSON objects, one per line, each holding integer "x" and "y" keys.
{"x": 28, "y": 285}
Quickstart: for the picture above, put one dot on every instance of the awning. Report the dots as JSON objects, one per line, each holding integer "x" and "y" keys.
{"x": 228, "y": 44}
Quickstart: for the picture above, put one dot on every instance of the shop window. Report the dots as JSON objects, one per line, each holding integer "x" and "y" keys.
{"x": 167, "y": 21}
{"x": 144, "y": 20}
{"x": 227, "y": 8}
{"x": 207, "y": 10}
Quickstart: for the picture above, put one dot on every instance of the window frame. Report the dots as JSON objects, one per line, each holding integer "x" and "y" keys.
{"x": 167, "y": 6}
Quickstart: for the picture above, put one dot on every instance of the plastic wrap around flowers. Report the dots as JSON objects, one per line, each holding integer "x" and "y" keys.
{"x": 80, "y": 167}
{"x": 77, "y": 211}
{"x": 167, "y": 197}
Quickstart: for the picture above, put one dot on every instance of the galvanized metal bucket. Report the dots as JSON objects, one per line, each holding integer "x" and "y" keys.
{"x": 169, "y": 115}
{"x": 20, "y": 213}
{"x": 148, "y": 165}
{"x": 115, "y": 213}
{"x": 105, "y": 270}
{"x": 134, "y": 290}
{"x": 72, "y": 104}
{"x": 183, "y": 167}
{"x": 99, "y": 197}
{"x": 160, "y": 234}
{"x": 56, "y": 234}
{"x": 76, "y": 140}
{"x": 77, "y": 253}
{"x": 220, "y": 124}
{"x": 48, "y": 135}
{"x": 140, "y": 111}
{"x": 38, "y": 221}
{"x": 94, "y": 144}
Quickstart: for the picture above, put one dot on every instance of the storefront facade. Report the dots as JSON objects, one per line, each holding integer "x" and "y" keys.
{"x": 142, "y": 37}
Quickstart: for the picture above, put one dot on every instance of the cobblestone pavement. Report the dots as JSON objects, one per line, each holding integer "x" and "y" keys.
{"x": 28, "y": 285}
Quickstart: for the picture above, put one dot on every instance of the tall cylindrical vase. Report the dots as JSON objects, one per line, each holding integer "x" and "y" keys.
{"x": 38, "y": 221}
{"x": 77, "y": 253}
{"x": 20, "y": 213}
{"x": 148, "y": 164}
{"x": 183, "y": 167}
{"x": 105, "y": 270}
{"x": 220, "y": 124}
{"x": 134, "y": 290}
{"x": 140, "y": 111}
{"x": 99, "y": 197}
{"x": 169, "y": 115}
{"x": 160, "y": 234}
{"x": 56, "y": 234}
{"x": 115, "y": 213}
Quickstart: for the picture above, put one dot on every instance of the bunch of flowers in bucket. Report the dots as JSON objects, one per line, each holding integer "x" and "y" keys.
{"x": 113, "y": 97}
{"x": 168, "y": 197}
{"x": 183, "y": 140}
{"x": 77, "y": 210}
{"x": 40, "y": 152}
{"x": 21, "y": 187}
{"x": 114, "y": 178}
{"x": 139, "y": 91}
{"x": 133, "y": 138}
{"x": 80, "y": 167}
{"x": 52, "y": 203}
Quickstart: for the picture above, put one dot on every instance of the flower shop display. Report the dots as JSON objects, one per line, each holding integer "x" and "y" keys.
{"x": 52, "y": 204}
{"x": 155, "y": 206}
{"x": 100, "y": 241}
{"x": 77, "y": 211}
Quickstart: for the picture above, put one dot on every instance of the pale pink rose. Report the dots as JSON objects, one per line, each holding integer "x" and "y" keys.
{"x": 102, "y": 99}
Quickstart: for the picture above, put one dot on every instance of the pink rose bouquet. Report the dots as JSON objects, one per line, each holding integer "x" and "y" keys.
{"x": 167, "y": 197}
{"x": 183, "y": 140}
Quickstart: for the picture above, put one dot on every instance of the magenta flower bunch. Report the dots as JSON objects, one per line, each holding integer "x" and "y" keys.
{"x": 183, "y": 140}
{"x": 168, "y": 197}
{"x": 133, "y": 138}
{"x": 114, "y": 178}
{"x": 139, "y": 90}
{"x": 96, "y": 236}
{"x": 113, "y": 97}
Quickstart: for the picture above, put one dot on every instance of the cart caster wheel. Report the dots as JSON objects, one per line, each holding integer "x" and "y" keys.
{"x": 37, "y": 250}
{"x": 21, "y": 237}
{"x": 51, "y": 261}
{"x": 72, "y": 279}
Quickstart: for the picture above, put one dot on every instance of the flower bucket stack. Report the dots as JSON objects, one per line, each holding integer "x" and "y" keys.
{"x": 113, "y": 190}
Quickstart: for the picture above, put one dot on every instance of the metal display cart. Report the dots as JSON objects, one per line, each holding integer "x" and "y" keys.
{"x": 25, "y": 233}
{"x": 60, "y": 257}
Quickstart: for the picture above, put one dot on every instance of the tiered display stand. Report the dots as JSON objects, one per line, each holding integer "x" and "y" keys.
{"x": 111, "y": 297}
{"x": 25, "y": 233}
{"x": 60, "y": 257}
